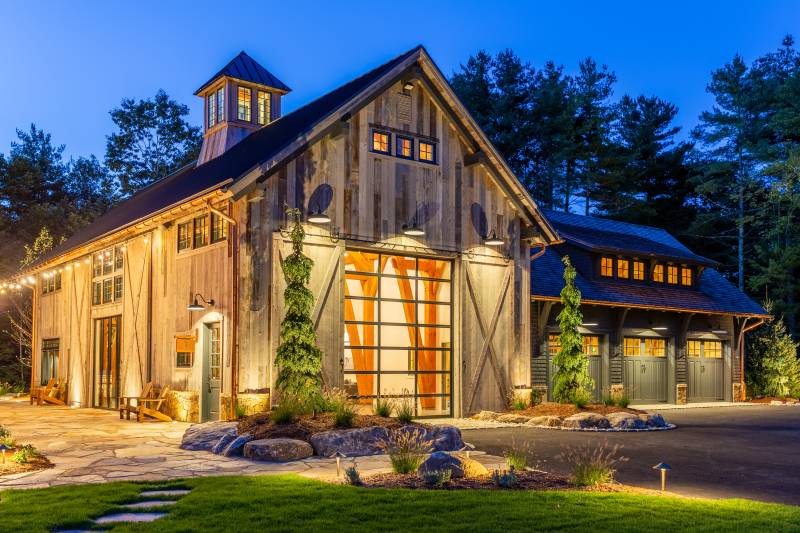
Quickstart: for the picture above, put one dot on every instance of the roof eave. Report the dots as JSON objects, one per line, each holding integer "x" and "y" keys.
{"x": 544, "y": 298}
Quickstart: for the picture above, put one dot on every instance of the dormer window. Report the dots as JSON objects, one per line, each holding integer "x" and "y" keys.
{"x": 607, "y": 267}
{"x": 220, "y": 104}
{"x": 216, "y": 105}
{"x": 212, "y": 109}
{"x": 672, "y": 274}
{"x": 264, "y": 107}
{"x": 686, "y": 276}
{"x": 638, "y": 270}
{"x": 658, "y": 273}
{"x": 244, "y": 104}
{"x": 623, "y": 268}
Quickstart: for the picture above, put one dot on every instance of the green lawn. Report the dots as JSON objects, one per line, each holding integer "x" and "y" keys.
{"x": 284, "y": 503}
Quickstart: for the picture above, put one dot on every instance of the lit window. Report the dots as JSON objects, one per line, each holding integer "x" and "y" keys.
{"x": 632, "y": 347}
{"x": 49, "y": 360}
{"x": 51, "y": 283}
{"x": 427, "y": 152}
{"x": 119, "y": 258}
{"x": 658, "y": 273}
{"x": 200, "y": 231}
{"x": 184, "y": 359}
{"x": 219, "y": 228}
{"x": 264, "y": 107}
{"x": 712, "y": 350}
{"x": 672, "y": 274}
{"x": 553, "y": 344}
{"x": 97, "y": 288}
{"x": 655, "y": 348}
{"x": 184, "y": 239}
{"x": 405, "y": 147}
{"x": 693, "y": 348}
{"x": 686, "y": 276}
{"x": 623, "y": 267}
{"x": 591, "y": 345}
{"x": 244, "y": 104}
{"x": 607, "y": 267}
{"x": 107, "y": 267}
{"x": 220, "y": 104}
{"x": 380, "y": 142}
{"x": 108, "y": 290}
{"x": 638, "y": 270}
{"x": 212, "y": 110}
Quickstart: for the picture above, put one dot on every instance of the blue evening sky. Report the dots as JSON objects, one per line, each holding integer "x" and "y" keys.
{"x": 66, "y": 64}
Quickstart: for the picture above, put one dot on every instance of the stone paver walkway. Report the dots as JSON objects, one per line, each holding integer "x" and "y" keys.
{"x": 95, "y": 446}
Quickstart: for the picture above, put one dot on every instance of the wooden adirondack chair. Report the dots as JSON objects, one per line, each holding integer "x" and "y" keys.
{"x": 149, "y": 407}
{"x": 126, "y": 403}
{"x": 57, "y": 395}
{"x": 36, "y": 392}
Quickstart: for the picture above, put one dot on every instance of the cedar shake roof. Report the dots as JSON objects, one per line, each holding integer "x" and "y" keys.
{"x": 245, "y": 68}
{"x": 583, "y": 235}
{"x": 193, "y": 181}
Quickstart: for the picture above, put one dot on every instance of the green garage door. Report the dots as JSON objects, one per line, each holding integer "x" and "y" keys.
{"x": 645, "y": 369}
{"x": 591, "y": 348}
{"x": 706, "y": 370}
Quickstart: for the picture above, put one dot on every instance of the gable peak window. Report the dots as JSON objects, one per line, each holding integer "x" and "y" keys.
{"x": 380, "y": 142}
{"x": 607, "y": 267}
{"x": 405, "y": 147}
{"x": 244, "y": 104}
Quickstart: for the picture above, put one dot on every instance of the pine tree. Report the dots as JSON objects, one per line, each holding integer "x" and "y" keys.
{"x": 571, "y": 382}
{"x": 298, "y": 359}
{"x": 773, "y": 368}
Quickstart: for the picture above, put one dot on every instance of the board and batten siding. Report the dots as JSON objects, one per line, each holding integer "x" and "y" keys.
{"x": 371, "y": 197}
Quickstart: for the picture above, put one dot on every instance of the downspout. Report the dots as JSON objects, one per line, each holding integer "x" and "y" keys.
{"x": 540, "y": 252}
{"x": 234, "y": 318}
{"x": 34, "y": 327}
{"x": 150, "y": 310}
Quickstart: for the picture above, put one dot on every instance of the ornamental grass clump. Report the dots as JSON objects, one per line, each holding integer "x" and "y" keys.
{"x": 298, "y": 359}
{"x": 407, "y": 449}
{"x": 332, "y": 399}
{"x": 352, "y": 477}
{"x": 593, "y": 465}
{"x": 285, "y": 412}
{"x": 623, "y": 401}
{"x": 5, "y": 437}
{"x": 518, "y": 401}
{"x": 384, "y": 407}
{"x": 344, "y": 415}
{"x": 517, "y": 455}
{"x": 571, "y": 381}
{"x": 405, "y": 410}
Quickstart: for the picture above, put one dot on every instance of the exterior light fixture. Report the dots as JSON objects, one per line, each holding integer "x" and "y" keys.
{"x": 319, "y": 217}
{"x": 31, "y": 280}
{"x": 258, "y": 195}
{"x": 589, "y": 324}
{"x": 86, "y": 260}
{"x": 467, "y": 448}
{"x": 493, "y": 240}
{"x": 76, "y": 264}
{"x": 408, "y": 86}
{"x": 339, "y": 456}
{"x": 719, "y": 331}
{"x": 3, "y": 449}
{"x": 412, "y": 230}
{"x": 664, "y": 467}
{"x": 197, "y": 306}
{"x": 660, "y": 328}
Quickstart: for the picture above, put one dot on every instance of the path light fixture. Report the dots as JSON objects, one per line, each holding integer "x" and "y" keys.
{"x": 663, "y": 467}
{"x": 493, "y": 240}
{"x": 339, "y": 456}
{"x": 3, "y": 449}
{"x": 197, "y": 306}
{"x": 319, "y": 217}
{"x": 467, "y": 448}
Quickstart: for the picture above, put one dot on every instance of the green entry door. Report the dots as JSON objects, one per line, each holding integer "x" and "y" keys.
{"x": 706, "y": 368}
{"x": 645, "y": 369}
{"x": 212, "y": 371}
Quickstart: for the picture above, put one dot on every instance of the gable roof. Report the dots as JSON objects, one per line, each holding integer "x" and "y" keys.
{"x": 713, "y": 294}
{"x": 242, "y": 165}
{"x": 245, "y": 68}
{"x": 611, "y": 236}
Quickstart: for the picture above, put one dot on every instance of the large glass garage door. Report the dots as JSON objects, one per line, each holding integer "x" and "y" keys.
{"x": 398, "y": 330}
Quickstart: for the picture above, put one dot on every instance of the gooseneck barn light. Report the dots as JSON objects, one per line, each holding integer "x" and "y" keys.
{"x": 197, "y": 306}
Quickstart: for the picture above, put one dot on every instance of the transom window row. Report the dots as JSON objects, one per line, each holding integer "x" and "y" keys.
{"x": 623, "y": 268}
{"x": 404, "y": 146}
{"x": 201, "y": 231}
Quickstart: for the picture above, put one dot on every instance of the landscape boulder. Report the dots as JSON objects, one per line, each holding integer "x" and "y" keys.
{"x": 277, "y": 450}
{"x": 586, "y": 421}
{"x": 440, "y": 461}
{"x": 513, "y": 418}
{"x": 624, "y": 420}
{"x": 653, "y": 421}
{"x": 203, "y": 437}
{"x": 487, "y": 416}
{"x": 236, "y": 446}
{"x": 446, "y": 438}
{"x": 350, "y": 442}
{"x": 548, "y": 421}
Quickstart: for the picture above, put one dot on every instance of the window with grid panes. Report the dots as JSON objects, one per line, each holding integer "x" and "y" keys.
{"x": 107, "y": 275}
{"x": 380, "y": 142}
{"x": 264, "y": 107}
{"x": 638, "y": 270}
{"x": 658, "y": 273}
{"x": 623, "y": 267}
{"x": 244, "y": 104}
{"x": 686, "y": 276}
{"x": 427, "y": 152}
{"x": 553, "y": 344}
{"x": 200, "y": 235}
{"x": 591, "y": 345}
{"x": 672, "y": 274}
{"x": 607, "y": 267}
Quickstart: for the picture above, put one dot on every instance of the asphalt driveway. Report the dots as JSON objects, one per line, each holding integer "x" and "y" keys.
{"x": 748, "y": 452}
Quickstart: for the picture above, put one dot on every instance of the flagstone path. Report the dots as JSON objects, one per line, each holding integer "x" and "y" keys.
{"x": 95, "y": 446}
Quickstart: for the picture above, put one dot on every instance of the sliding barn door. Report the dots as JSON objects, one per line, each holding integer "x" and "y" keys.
{"x": 487, "y": 310}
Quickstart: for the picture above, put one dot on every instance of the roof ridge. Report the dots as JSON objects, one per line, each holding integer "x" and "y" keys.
{"x": 615, "y": 221}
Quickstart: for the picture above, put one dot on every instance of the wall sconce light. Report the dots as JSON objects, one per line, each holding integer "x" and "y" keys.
{"x": 412, "y": 230}
{"x": 664, "y": 467}
{"x": 319, "y": 217}
{"x": 258, "y": 195}
{"x": 408, "y": 86}
{"x": 197, "y": 306}
{"x": 493, "y": 240}
{"x": 660, "y": 328}
{"x": 589, "y": 324}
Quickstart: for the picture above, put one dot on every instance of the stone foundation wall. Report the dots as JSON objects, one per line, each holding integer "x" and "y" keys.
{"x": 250, "y": 402}
{"x": 680, "y": 393}
{"x": 183, "y": 406}
{"x": 739, "y": 392}
{"x": 617, "y": 391}
{"x": 542, "y": 390}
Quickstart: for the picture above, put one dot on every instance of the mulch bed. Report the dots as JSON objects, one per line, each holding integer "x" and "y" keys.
{"x": 768, "y": 399}
{"x": 33, "y": 464}
{"x": 567, "y": 409}
{"x": 261, "y": 427}
{"x": 528, "y": 480}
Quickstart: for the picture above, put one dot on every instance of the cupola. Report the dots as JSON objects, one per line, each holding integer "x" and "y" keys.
{"x": 239, "y": 99}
